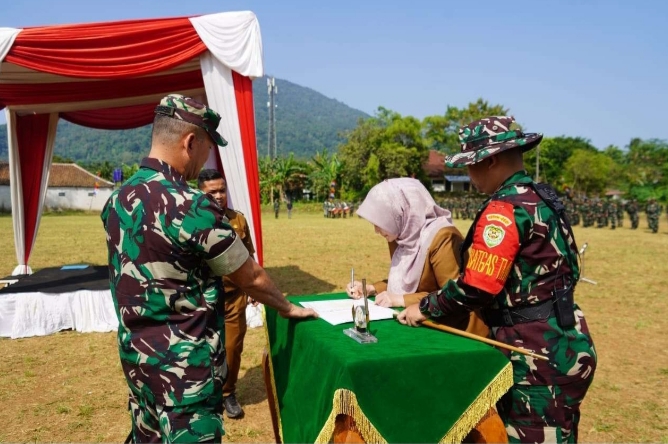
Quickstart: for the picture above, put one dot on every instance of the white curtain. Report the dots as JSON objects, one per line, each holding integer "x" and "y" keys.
{"x": 16, "y": 188}
{"x": 16, "y": 195}
{"x": 220, "y": 95}
{"x": 234, "y": 39}
{"x": 234, "y": 43}
{"x": 7, "y": 37}
{"x": 23, "y": 315}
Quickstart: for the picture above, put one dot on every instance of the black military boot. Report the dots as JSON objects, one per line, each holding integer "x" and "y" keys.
{"x": 232, "y": 407}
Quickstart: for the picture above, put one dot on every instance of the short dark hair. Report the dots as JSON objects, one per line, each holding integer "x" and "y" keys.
{"x": 169, "y": 130}
{"x": 207, "y": 175}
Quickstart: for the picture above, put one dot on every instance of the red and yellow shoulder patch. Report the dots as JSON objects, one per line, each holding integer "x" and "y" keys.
{"x": 495, "y": 245}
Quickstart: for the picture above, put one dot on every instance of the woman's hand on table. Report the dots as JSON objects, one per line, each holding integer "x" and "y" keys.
{"x": 387, "y": 299}
{"x": 354, "y": 290}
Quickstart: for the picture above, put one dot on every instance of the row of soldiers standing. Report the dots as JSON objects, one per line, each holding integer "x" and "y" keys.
{"x": 463, "y": 207}
{"x": 588, "y": 212}
{"x": 338, "y": 208}
{"x": 603, "y": 213}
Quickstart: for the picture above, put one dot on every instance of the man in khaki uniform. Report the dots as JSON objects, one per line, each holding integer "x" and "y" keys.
{"x": 212, "y": 183}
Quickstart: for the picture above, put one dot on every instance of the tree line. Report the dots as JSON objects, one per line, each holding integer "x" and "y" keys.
{"x": 389, "y": 145}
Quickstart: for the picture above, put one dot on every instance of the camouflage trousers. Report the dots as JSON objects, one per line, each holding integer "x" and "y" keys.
{"x": 539, "y": 414}
{"x": 653, "y": 222}
{"x": 199, "y": 422}
{"x": 634, "y": 220}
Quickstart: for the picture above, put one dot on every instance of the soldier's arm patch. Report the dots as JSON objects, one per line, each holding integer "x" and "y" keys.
{"x": 229, "y": 260}
{"x": 495, "y": 245}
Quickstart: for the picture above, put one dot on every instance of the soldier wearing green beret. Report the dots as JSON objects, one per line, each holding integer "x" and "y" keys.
{"x": 168, "y": 245}
{"x": 521, "y": 271}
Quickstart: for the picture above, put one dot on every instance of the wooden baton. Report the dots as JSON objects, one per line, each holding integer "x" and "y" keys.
{"x": 436, "y": 326}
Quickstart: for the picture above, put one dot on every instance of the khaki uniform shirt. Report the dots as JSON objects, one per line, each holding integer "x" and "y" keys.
{"x": 240, "y": 226}
{"x": 442, "y": 264}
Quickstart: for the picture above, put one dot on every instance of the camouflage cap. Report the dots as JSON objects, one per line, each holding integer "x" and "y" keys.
{"x": 190, "y": 110}
{"x": 489, "y": 136}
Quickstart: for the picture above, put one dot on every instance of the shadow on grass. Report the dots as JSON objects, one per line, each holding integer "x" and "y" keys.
{"x": 292, "y": 280}
{"x": 251, "y": 386}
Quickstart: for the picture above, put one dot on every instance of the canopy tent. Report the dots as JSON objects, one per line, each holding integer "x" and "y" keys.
{"x": 111, "y": 76}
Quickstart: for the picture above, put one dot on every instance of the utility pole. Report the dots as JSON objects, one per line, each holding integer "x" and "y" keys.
{"x": 272, "y": 90}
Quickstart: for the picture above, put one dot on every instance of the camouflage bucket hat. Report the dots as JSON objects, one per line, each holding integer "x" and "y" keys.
{"x": 489, "y": 136}
{"x": 191, "y": 111}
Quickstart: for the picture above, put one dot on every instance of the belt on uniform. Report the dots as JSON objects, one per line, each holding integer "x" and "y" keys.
{"x": 507, "y": 317}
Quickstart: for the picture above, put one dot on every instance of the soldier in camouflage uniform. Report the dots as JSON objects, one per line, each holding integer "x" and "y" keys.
{"x": 521, "y": 272}
{"x": 612, "y": 213}
{"x": 576, "y": 212}
{"x": 572, "y": 212}
{"x": 584, "y": 211}
{"x": 592, "y": 212}
{"x": 599, "y": 214}
{"x": 167, "y": 246}
{"x": 653, "y": 210}
{"x": 620, "y": 214}
{"x": 632, "y": 209}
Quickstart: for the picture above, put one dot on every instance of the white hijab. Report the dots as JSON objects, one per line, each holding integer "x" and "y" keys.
{"x": 404, "y": 207}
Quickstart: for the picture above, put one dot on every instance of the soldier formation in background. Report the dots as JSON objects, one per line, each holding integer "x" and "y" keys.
{"x": 586, "y": 212}
{"x": 465, "y": 207}
{"x": 602, "y": 213}
{"x": 334, "y": 208}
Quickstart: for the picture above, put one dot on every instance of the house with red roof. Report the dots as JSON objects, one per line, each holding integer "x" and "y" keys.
{"x": 70, "y": 187}
{"x": 445, "y": 179}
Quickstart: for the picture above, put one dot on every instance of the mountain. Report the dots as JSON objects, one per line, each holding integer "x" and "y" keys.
{"x": 306, "y": 122}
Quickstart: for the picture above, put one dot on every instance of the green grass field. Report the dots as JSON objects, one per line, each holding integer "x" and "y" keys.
{"x": 69, "y": 386}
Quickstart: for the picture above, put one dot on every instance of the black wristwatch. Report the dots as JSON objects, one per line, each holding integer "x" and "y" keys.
{"x": 424, "y": 306}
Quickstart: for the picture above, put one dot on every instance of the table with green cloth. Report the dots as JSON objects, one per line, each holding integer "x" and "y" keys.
{"x": 413, "y": 385}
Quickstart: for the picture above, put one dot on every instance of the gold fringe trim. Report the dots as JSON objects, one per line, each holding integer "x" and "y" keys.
{"x": 480, "y": 406}
{"x": 345, "y": 403}
{"x": 271, "y": 372}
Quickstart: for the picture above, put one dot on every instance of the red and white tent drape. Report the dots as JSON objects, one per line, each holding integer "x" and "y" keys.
{"x": 111, "y": 76}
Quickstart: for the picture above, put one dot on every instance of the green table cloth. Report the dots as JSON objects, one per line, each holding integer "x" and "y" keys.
{"x": 413, "y": 385}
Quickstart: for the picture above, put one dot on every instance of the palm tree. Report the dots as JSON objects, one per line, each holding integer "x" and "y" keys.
{"x": 266, "y": 170}
{"x": 325, "y": 169}
{"x": 280, "y": 173}
{"x": 288, "y": 174}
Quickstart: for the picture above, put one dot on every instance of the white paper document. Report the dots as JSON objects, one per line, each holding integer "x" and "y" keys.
{"x": 340, "y": 311}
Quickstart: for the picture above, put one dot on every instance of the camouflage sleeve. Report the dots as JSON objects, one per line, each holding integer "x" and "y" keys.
{"x": 206, "y": 230}
{"x": 496, "y": 243}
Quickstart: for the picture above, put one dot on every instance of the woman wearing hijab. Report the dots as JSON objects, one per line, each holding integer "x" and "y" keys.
{"x": 424, "y": 245}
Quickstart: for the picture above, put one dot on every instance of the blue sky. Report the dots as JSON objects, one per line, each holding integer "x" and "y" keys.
{"x": 591, "y": 68}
